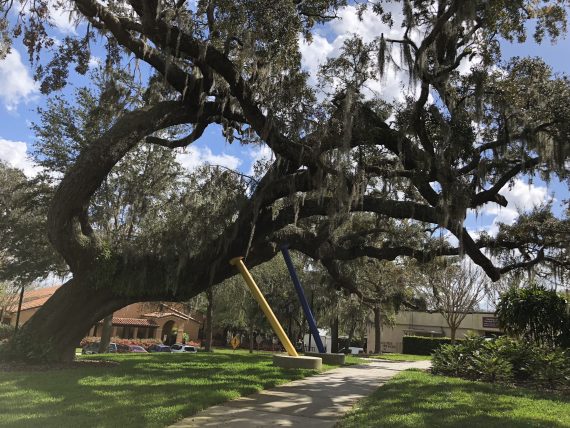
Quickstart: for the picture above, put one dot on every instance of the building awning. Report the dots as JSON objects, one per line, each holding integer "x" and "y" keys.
{"x": 420, "y": 332}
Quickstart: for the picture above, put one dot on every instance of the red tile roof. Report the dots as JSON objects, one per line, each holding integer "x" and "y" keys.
{"x": 40, "y": 292}
{"x": 180, "y": 313}
{"x": 36, "y": 303}
{"x": 161, "y": 315}
{"x": 33, "y": 299}
{"x": 174, "y": 313}
{"x": 134, "y": 322}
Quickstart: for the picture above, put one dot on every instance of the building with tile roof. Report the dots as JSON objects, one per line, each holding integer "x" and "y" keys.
{"x": 168, "y": 322}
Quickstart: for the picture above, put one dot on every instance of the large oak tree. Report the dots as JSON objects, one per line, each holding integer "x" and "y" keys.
{"x": 339, "y": 159}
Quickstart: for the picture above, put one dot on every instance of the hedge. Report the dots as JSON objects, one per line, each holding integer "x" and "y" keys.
{"x": 145, "y": 343}
{"x": 418, "y": 345}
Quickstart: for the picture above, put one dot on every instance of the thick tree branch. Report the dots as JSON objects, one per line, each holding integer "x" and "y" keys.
{"x": 94, "y": 164}
{"x": 492, "y": 194}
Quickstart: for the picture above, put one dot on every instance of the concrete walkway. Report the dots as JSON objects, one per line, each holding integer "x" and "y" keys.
{"x": 316, "y": 401}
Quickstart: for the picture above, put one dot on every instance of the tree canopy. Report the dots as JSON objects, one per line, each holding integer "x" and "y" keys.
{"x": 354, "y": 175}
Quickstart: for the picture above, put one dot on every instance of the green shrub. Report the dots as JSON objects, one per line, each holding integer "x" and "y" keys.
{"x": 473, "y": 342}
{"x": 473, "y": 358}
{"x": 6, "y": 331}
{"x": 520, "y": 354}
{"x": 503, "y": 360}
{"x": 4, "y": 349}
{"x": 417, "y": 345}
{"x": 491, "y": 367}
{"x": 551, "y": 368}
{"x": 449, "y": 360}
{"x": 145, "y": 343}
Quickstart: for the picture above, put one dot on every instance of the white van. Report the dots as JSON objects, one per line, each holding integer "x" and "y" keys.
{"x": 353, "y": 350}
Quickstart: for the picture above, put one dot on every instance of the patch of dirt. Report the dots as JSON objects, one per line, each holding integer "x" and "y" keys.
{"x": 12, "y": 366}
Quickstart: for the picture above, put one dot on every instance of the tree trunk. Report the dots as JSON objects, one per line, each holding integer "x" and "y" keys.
{"x": 209, "y": 320}
{"x": 106, "y": 333}
{"x": 56, "y": 329}
{"x": 350, "y": 336}
{"x": 377, "y": 330}
{"x": 19, "y": 310}
{"x": 251, "y": 338}
{"x": 453, "y": 333}
{"x": 334, "y": 336}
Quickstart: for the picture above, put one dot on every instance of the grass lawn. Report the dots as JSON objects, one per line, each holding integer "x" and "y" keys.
{"x": 350, "y": 360}
{"x": 401, "y": 357}
{"x": 143, "y": 390}
{"x": 419, "y": 399}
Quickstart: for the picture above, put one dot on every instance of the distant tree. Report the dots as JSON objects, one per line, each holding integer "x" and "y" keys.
{"x": 236, "y": 310}
{"x": 454, "y": 290}
{"x": 536, "y": 314}
{"x": 25, "y": 252}
{"x": 8, "y": 297}
{"x": 388, "y": 286}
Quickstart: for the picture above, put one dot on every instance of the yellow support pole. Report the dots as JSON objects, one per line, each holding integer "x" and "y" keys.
{"x": 238, "y": 262}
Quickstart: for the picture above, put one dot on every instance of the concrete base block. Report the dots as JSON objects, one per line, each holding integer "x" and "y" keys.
{"x": 301, "y": 362}
{"x": 332, "y": 359}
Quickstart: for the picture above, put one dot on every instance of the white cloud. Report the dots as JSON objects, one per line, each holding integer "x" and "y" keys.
{"x": 60, "y": 15}
{"x": 94, "y": 61}
{"x": 63, "y": 21}
{"x": 193, "y": 157}
{"x": 525, "y": 196}
{"x": 14, "y": 153}
{"x": 314, "y": 54}
{"x": 260, "y": 153}
{"x": 16, "y": 84}
{"x": 521, "y": 197}
{"x": 370, "y": 26}
{"x": 395, "y": 84}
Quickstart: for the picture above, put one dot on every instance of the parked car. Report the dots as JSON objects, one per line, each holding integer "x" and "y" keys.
{"x": 137, "y": 349}
{"x": 353, "y": 350}
{"x": 122, "y": 349}
{"x": 93, "y": 348}
{"x": 178, "y": 347}
{"x": 159, "y": 348}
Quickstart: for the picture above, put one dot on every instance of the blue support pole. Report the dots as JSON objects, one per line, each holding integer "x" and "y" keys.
{"x": 303, "y": 299}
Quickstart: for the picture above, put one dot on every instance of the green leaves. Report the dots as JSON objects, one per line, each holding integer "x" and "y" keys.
{"x": 534, "y": 313}
{"x": 504, "y": 360}
{"x": 25, "y": 253}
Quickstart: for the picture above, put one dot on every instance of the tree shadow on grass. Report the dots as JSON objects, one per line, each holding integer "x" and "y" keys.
{"x": 423, "y": 400}
{"x": 146, "y": 390}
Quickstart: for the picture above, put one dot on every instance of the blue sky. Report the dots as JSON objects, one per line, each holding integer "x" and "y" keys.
{"x": 19, "y": 99}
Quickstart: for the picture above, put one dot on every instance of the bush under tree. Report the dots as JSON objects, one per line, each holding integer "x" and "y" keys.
{"x": 504, "y": 360}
